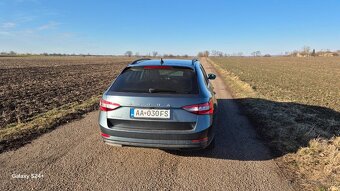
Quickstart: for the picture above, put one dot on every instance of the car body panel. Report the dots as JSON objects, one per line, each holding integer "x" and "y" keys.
{"x": 183, "y": 130}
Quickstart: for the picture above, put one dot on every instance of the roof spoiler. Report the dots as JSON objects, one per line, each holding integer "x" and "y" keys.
{"x": 139, "y": 60}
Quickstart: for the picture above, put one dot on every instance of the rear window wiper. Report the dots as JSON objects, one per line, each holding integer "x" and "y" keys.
{"x": 151, "y": 90}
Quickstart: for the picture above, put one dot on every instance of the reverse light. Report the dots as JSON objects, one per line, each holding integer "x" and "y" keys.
{"x": 201, "y": 109}
{"x": 107, "y": 106}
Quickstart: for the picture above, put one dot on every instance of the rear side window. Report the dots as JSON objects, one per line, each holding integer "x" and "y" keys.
{"x": 157, "y": 79}
{"x": 205, "y": 76}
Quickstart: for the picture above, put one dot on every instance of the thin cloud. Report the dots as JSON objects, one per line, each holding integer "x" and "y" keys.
{"x": 25, "y": 18}
{"x": 5, "y": 33}
{"x": 66, "y": 35}
{"x": 26, "y": 1}
{"x": 8, "y": 25}
{"x": 50, "y": 25}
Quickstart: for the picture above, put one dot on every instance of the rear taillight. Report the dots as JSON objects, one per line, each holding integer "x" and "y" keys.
{"x": 201, "y": 109}
{"x": 107, "y": 106}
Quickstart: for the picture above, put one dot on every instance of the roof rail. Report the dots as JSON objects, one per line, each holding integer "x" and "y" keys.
{"x": 139, "y": 60}
{"x": 194, "y": 60}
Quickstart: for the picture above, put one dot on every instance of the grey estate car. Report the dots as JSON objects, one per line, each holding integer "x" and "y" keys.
{"x": 167, "y": 104}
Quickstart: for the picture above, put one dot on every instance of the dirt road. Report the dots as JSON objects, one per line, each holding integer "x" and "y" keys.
{"x": 74, "y": 157}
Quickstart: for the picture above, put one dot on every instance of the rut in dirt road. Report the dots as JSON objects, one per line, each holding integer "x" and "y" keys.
{"x": 74, "y": 157}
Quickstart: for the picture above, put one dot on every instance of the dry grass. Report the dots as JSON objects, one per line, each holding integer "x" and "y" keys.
{"x": 318, "y": 163}
{"x": 295, "y": 104}
{"x": 17, "y": 134}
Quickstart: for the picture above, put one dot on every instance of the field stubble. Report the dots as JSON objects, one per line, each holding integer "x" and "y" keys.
{"x": 295, "y": 105}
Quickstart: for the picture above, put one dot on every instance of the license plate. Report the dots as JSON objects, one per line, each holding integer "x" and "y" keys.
{"x": 150, "y": 113}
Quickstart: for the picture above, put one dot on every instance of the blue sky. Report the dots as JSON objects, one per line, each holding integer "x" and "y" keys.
{"x": 176, "y": 26}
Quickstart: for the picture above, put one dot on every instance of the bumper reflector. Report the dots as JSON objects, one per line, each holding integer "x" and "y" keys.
{"x": 200, "y": 140}
{"x": 105, "y": 135}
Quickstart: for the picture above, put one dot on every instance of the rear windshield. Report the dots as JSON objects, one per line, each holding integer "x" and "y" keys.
{"x": 157, "y": 79}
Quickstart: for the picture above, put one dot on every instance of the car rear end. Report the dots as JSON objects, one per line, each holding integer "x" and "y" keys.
{"x": 161, "y": 106}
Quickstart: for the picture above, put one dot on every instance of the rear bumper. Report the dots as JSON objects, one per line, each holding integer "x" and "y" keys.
{"x": 182, "y": 140}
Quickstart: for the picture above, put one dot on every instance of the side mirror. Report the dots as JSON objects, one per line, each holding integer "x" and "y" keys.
{"x": 211, "y": 76}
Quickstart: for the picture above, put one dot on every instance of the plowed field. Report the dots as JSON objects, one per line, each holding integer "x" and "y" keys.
{"x": 33, "y": 85}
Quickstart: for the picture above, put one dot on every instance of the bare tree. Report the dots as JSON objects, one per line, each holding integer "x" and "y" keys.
{"x": 12, "y": 53}
{"x": 256, "y": 53}
{"x": 206, "y": 53}
{"x": 128, "y": 53}
{"x": 154, "y": 53}
{"x": 306, "y": 49}
{"x": 203, "y": 54}
{"x": 216, "y": 53}
{"x": 313, "y": 53}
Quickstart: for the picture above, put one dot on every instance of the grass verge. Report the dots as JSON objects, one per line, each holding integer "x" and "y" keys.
{"x": 17, "y": 134}
{"x": 306, "y": 137}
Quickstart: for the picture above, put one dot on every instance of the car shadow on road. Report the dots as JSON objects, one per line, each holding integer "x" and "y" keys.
{"x": 251, "y": 129}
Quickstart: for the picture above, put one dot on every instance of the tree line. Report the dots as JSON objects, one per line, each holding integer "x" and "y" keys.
{"x": 305, "y": 51}
{"x": 129, "y": 53}
{"x": 217, "y": 53}
{"x": 13, "y": 53}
